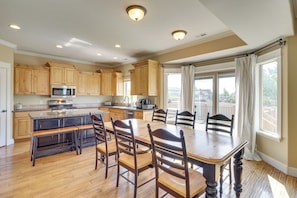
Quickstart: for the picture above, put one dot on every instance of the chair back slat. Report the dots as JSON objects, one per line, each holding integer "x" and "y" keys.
{"x": 99, "y": 130}
{"x": 185, "y": 118}
{"x": 219, "y": 123}
{"x": 160, "y": 115}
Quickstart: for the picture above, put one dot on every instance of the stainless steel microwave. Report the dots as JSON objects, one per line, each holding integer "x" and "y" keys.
{"x": 63, "y": 91}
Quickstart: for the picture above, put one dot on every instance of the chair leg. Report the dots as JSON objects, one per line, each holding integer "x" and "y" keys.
{"x": 135, "y": 183}
{"x": 96, "y": 162}
{"x": 221, "y": 179}
{"x": 118, "y": 175}
{"x": 106, "y": 166}
{"x": 230, "y": 173}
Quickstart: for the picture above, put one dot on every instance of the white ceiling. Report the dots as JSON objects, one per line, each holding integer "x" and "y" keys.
{"x": 100, "y": 24}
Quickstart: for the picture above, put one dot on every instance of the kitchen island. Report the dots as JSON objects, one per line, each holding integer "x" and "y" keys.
{"x": 58, "y": 131}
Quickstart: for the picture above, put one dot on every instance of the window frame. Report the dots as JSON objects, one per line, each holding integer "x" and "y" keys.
{"x": 262, "y": 60}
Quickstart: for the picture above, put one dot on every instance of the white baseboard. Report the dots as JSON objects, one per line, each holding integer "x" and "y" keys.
{"x": 10, "y": 141}
{"x": 278, "y": 165}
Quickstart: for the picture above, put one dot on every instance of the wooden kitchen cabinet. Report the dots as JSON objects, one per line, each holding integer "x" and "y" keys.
{"x": 22, "y": 126}
{"x": 41, "y": 81}
{"x": 106, "y": 114}
{"x": 88, "y": 83}
{"x": 31, "y": 80}
{"x": 117, "y": 114}
{"x": 62, "y": 74}
{"x": 144, "y": 115}
{"x": 145, "y": 78}
{"x": 112, "y": 83}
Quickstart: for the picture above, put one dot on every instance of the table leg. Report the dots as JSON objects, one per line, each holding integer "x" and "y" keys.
{"x": 237, "y": 167}
{"x": 209, "y": 171}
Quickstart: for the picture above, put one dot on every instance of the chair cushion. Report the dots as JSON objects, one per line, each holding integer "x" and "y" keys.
{"x": 111, "y": 147}
{"x": 197, "y": 183}
{"x": 143, "y": 160}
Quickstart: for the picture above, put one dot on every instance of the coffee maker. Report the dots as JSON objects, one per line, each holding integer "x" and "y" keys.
{"x": 145, "y": 103}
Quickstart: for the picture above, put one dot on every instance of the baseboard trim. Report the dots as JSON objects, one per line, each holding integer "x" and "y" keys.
{"x": 279, "y": 165}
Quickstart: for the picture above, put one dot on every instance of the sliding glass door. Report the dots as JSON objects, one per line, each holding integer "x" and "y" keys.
{"x": 214, "y": 93}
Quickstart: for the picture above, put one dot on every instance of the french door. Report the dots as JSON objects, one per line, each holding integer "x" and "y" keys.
{"x": 214, "y": 93}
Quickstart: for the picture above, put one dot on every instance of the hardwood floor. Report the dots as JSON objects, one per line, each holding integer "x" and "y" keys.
{"x": 71, "y": 175}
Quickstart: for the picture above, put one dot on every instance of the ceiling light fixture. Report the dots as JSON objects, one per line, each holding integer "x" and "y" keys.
{"x": 136, "y": 12}
{"x": 16, "y": 27}
{"x": 59, "y": 46}
{"x": 179, "y": 34}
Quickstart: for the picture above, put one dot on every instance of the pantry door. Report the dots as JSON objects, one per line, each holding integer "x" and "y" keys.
{"x": 5, "y": 110}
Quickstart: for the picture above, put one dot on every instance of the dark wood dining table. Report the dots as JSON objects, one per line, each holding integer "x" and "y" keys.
{"x": 206, "y": 149}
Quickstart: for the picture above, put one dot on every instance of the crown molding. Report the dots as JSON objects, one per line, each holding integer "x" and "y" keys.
{"x": 7, "y": 44}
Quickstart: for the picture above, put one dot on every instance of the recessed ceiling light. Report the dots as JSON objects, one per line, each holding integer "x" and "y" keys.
{"x": 13, "y": 26}
{"x": 98, "y": 54}
{"x": 59, "y": 46}
{"x": 117, "y": 46}
{"x": 115, "y": 57}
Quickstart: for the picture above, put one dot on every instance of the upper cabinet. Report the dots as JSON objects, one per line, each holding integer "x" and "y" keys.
{"x": 88, "y": 83}
{"x": 144, "y": 78}
{"x": 62, "y": 74}
{"x": 31, "y": 80}
{"x": 112, "y": 83}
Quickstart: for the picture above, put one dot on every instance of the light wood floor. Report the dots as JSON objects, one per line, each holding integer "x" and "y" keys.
{"x": 71, "y": 175}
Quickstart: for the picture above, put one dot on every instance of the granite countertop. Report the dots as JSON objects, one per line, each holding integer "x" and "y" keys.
{"x": 127, "y": 108}
{"x": 61, "y": 114}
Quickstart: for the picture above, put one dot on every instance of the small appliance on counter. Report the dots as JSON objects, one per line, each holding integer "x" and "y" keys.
{"x": 145, "y": 103}
{"x": 107, "y": 103}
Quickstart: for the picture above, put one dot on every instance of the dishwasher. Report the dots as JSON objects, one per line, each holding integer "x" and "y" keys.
{"x": 129, "y": 114}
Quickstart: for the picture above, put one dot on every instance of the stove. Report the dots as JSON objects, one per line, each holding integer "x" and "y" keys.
{"x": 60, "y": 104}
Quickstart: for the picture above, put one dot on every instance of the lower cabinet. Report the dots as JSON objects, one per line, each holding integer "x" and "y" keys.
{"x": 22, "y": 126}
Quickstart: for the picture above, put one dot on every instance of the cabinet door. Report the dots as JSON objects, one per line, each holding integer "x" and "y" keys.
{"x": 22, "y": 125}
{"x": 138, "y": 81}
{"x": 41, "y": 81}
{"x": 119, "y": 84}
{"x": 138, "y": 115}
{"x": 133, "y": 82}
{"x": 57, "y": 75}
{"x": 82, "y": 84}
{"x": 144, "y": 79}
{"x": 153, "y": 72}
{"x": 23, "y": 80}
{"x": 106, "y": 83}
{"x": 69, "y": 78}
{"x": 94, "y": 84}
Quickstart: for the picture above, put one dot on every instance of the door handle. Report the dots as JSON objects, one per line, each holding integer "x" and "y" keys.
{"x": 3, "y": 111}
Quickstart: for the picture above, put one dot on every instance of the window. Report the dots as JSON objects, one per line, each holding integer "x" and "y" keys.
{"x": 172, "y": 91}
{"x": 268, "y": 101}
{"x": 127, "y": 93}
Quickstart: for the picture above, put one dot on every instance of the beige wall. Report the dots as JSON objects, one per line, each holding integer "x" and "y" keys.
{"x": 292, "y": 101}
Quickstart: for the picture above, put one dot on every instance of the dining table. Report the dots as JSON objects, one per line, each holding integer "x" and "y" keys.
{"x": 206, "y": 149}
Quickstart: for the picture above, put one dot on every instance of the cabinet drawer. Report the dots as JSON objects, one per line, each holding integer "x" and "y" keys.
{"x": 117, "y": 110}
{"x": 73, "y": 121}
{"x": 21, "y": 114}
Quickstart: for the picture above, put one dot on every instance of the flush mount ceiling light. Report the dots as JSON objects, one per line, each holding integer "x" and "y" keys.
{"x": 179, "y": 34}
{"x": 136, "y": 12}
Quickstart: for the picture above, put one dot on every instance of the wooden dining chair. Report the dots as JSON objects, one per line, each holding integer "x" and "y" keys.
{"x": 134, "y": 158}
{"x": 160, "y": 115}
{"x": 175, "y": 178}
{"x": 185, "y": 118}
{"x": 105, "y": 145}
{"x": 222, "y": 124}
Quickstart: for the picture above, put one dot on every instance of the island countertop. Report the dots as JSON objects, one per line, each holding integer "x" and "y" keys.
{"x": 61, "y": 114}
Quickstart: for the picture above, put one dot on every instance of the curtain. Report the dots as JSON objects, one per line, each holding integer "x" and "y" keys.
{"x": 245, "y": 104}
{"x": 187, "y": 88}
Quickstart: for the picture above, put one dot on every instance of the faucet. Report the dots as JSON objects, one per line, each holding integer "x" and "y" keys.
{"x": 126, "y": 98}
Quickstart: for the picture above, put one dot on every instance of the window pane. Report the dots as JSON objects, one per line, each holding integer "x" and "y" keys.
{"x": 269, "y": 99}
{"x": 203, "y": 98}
{"x": 173, "y": 95}
{"x": 226, "y": 104}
